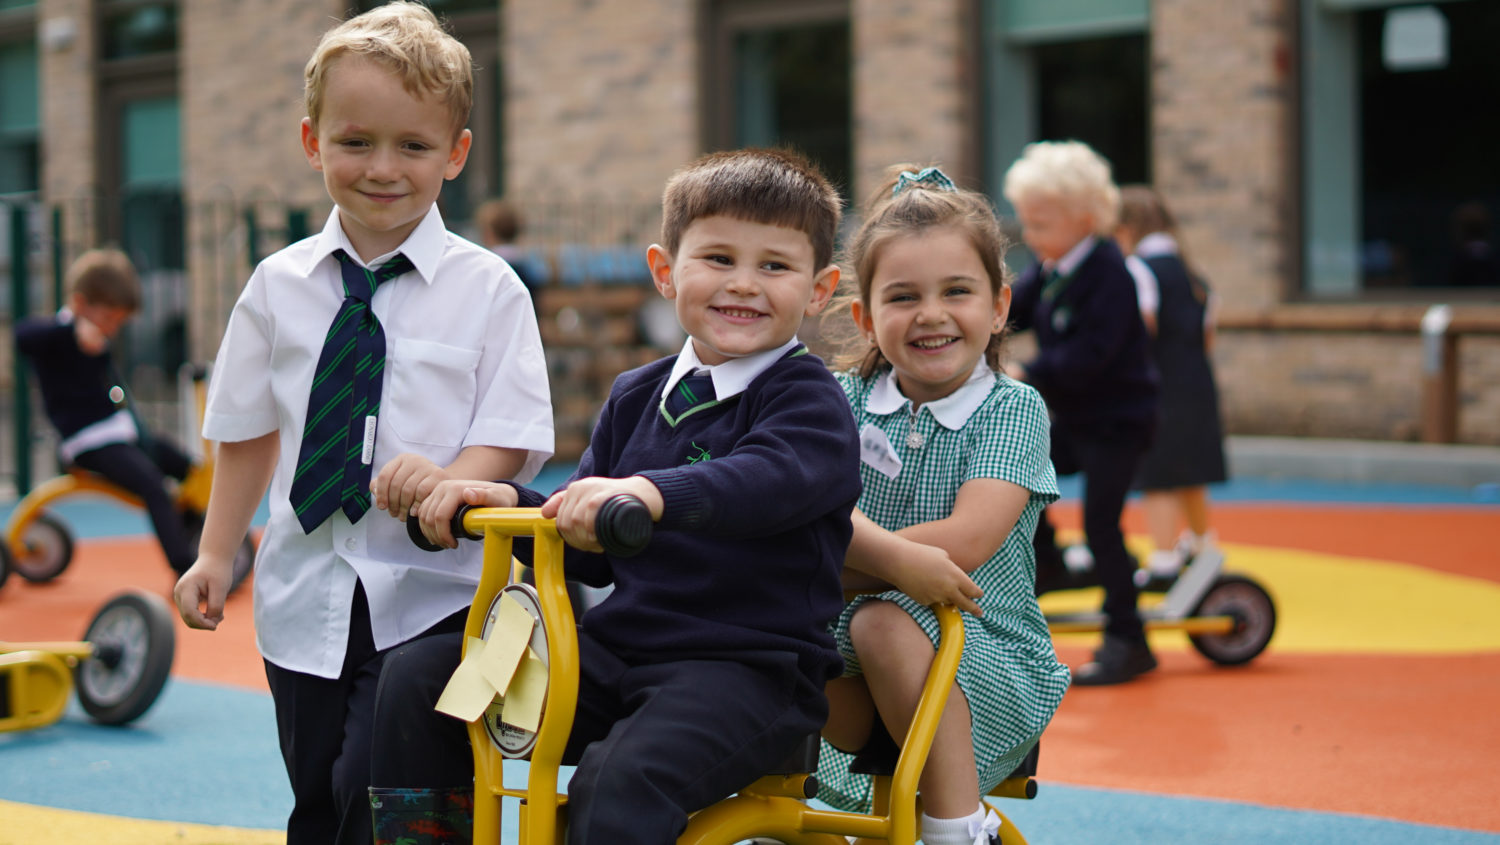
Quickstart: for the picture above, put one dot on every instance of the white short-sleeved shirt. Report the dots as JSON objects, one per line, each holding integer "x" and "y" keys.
{"x": 464, "y": 367}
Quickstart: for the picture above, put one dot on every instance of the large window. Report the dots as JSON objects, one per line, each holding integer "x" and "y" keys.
{"x": 1075, "y": 70}
{"x": 778, "y": 73}
{"x": 19, "y": 115}
{"x": 1401, "y": 180}
{"x": 140, "y": 168}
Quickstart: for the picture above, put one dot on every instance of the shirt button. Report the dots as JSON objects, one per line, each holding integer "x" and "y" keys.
{"x": 351, "y": 544}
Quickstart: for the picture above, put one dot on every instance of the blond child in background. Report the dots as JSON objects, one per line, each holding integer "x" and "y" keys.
{"x": 1094, "y": 368}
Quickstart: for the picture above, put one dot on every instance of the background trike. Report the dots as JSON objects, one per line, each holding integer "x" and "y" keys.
{"x": 118, "y": 668}
{"x": 38, "y": 545}
{"x": 774, "y": 808}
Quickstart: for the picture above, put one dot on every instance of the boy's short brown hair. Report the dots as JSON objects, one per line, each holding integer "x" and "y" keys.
{"x": 105, "y": 277}
{"x": 771, "y": 186}
{"x": 406, "y": 38}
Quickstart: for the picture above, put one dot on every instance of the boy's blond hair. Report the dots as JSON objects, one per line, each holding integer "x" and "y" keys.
{"x": 105, "y": 277}
{"x": 405, "y": 38}
{"x": 1069, "y": 172}
{"x": 775, "y": 187}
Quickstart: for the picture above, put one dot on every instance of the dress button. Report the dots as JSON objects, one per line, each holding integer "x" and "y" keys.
{"x": 351, "y": 544}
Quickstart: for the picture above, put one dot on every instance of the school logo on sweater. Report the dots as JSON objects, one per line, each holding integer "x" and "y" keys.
{"x": 699, "y": 458}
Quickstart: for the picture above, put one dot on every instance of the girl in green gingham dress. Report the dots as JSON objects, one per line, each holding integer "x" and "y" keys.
{"x": 956, "y": 472}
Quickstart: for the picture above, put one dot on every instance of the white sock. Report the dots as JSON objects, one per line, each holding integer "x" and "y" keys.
{"x": 978, "y": 826}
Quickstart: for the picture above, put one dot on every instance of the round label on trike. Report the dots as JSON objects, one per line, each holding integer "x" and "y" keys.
{"x": 508, "y": 739}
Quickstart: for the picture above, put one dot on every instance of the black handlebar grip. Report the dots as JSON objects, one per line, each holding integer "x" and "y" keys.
{"x": 414, "y": 530}
{"x": 623, "y": 525}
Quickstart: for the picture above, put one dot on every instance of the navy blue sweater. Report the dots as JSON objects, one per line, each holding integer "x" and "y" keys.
{"x": 1093, "y": 364}
{"x": 74, "y": 384}
{"x": 758, "y": 493}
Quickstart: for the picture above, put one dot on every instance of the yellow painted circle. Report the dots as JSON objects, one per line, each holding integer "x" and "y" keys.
{"x": 1336, "y": 604}
{"x": 25, "y": 823}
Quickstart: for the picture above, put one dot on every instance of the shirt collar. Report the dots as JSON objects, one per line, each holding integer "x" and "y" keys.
{"x": 423, "y": 247}
{"x": 1075, "y": 256}
{"x": 953, "y": 410}
{"x": 731, "y": 377}
{"x": 1156, "y": 243}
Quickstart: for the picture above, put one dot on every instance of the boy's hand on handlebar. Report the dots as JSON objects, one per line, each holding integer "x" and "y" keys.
{"x": 577, "y": 506}
{"x": 405, "y": 482}
{"x": 200, "y": 592}
{"x": 435, "y": 513}
{"x": 928, "y": 575}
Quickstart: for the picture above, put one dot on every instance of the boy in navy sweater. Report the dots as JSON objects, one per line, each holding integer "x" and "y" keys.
{"x": 706, "y": 664}
{"x": 1093, "y": 366}
{"x": 70, "y": 353}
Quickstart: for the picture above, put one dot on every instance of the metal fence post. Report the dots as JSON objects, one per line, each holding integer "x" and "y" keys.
{"x": 20, "y": 283}
{"x": 1439, "y": 376}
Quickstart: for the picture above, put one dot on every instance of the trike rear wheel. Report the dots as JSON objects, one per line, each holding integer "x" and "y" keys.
{"x": 133, "y": 644}
{"x": 1254, "y": 615}
{"x": 46, "y": 549}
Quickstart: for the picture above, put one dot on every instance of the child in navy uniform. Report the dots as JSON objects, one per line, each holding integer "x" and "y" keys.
{"x": 1188, "y": 454}
{"x": 1093, "y": 366}
{"x": 70, "y": 353}
{"x": 706, "y": 664}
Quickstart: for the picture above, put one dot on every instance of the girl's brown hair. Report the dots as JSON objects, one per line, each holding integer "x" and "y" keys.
{"x": 1143, "y": 211}
{"x": 917, "y": 206}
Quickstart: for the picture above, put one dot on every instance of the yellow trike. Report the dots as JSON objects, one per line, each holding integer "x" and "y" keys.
{"x": 118, "y": 668}
{"x": 38, "y": 545}
{"x": 773, "y": 808}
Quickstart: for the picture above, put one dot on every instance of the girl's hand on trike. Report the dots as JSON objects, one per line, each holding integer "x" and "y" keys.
{"x": 405, "y": 482}
{"x": 929, "y": 575}
{"x": 200, "y": 592}
{"x": 577, "y": 506}
{"x": 435, "y": 513}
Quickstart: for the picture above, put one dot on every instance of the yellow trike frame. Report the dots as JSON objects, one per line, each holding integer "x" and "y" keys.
{"x": 772, "y": 807}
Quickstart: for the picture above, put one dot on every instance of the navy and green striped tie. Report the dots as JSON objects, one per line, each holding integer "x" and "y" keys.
{"x": 333, "y": 470}
{"x": 694, "y": 391}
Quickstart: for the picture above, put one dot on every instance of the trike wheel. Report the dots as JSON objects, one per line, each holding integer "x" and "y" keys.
{"x": 46, "y": 549}
{"x": 133, "y": 645}
{"x": 244, "y": 556}
{"x": 1254, "y": 615}
{"x": 5, "y": 563}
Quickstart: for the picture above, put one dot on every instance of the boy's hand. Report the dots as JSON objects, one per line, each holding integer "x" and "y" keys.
{"x": 576, "y": 506}
{"x": 201, "y": 591}
{"x": 404, "y": 483}
{"x": 90, "y": 338}
{"x": 437, "y": 509}
{"x": 927, "y": 574}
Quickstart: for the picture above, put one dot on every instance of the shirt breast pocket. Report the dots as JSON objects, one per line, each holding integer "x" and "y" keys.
{"x": 433, "y": 386}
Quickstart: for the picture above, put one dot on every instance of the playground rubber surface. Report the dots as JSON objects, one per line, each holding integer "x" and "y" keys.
{"x": 1370, "y": 718}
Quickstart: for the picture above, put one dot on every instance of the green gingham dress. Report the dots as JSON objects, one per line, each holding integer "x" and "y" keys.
{"x": 1009, "y": 671}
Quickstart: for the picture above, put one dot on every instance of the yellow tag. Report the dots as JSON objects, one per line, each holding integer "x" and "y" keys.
{"x": 523, "y": 699}
{"x": 468, "y": 693}
{"x": 507, "y": 642}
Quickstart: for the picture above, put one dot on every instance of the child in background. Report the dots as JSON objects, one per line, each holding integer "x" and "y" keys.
{"x": 705, "y": 666}
{"x": 1188, "y": 453}
{"x": 70, "y": 353}
{"x": 499, "y": 223}
{"x": 955, "y": 473}
{"x": 1093, "y": 366}
{"x": 434, "y": 368}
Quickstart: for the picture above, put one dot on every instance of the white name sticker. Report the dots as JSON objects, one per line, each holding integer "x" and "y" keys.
{"x": 876, "y": 450}
{"x": 368, "y": 454}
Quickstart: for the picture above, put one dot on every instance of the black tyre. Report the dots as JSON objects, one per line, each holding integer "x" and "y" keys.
{"x": 47, "y": 549}
{"x": 5, "y": 564}
{"x": 244, "y": 556}
{"x": 134, "y": 642}
{"x": 1254, "y": 615}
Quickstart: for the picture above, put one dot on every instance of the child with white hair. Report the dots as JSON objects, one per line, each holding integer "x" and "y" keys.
{"x": 1094, "y": 369}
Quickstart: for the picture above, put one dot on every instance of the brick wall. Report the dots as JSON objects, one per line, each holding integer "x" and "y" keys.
{"x": 601, "y": 98}
{"x": 1220, "y": 97}
{"x": 910, "y": 88}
